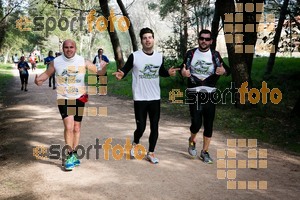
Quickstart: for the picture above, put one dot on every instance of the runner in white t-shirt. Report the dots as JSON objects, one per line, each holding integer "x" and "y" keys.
{"x": 70, "y": 70}
{"x": 203, "y": 67}
{"x": 147, "y": 65}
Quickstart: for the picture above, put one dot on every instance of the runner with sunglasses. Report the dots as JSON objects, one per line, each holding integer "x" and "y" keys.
{"x": 203, "y": 67}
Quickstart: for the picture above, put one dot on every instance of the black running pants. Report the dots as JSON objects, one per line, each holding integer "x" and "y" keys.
{"x": 141, "y": 109}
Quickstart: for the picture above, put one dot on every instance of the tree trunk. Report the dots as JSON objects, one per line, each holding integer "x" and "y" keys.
{"x": 181, "y": 46}
{"x": 113, "y": 35}
{"x": 215, "y": 23}
{"x": 92, "y": 38}
{"x": 196, "y": 10}
{"x": 185, "y": 28}
{"x": 81, "y": 45}
{"x": 2, "y": 34}
{"x": 271, "y": 60}
{"x": 6, "y": 57}
{"x": 250, "y": 37}
{"x": 131, "y": 29}
{"x": 240, "y": 43}
{"x": 2, "y": 25}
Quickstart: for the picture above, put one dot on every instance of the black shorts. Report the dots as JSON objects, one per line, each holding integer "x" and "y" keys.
{"x": 73, "y": 107}
{"x": 24, "y": 78}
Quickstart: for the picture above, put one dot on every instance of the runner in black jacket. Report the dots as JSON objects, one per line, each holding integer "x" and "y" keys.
{"x": 203, "y": 67}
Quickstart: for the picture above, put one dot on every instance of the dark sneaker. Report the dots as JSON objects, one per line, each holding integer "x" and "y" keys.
{"x": 206, "y": 157}
{"x": 22, "y": 88}
{"x": 76, "y": 161}
{"x": 69, "y": 165}
{"x": 192, "y": 148}
{"x": 151, "y": 158}
{"x": 54, "y": 88}
{"x": 25, "y": 90}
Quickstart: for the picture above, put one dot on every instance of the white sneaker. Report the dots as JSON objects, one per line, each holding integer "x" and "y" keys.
{"x": 132, "y": 150}
{"x": 151, "y": 158}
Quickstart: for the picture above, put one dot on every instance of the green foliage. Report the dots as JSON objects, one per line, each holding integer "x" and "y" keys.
{"x": 5, "y": 77}
{"x": 1, "y": 9}
{"x": 23, "y": 42}
{"x": 169, "y": 6}
{"x": 17, "y": 41}
{"x": 271, "y": 123}
{"x": 123, "y": 87}
{"x": 153, "y": 6}
{"x": 198, "y": 14}
{"x": 41, "y": 65}
{"x": 295, "y": 7}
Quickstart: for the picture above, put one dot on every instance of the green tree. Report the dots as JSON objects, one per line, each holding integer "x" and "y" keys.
{"x": 2, "y": 25}
{"x": 189, "y": 16}
{"x": 178, "y": 9}
{"x": 113, "y": 35}
{"x": 131, "y": 29}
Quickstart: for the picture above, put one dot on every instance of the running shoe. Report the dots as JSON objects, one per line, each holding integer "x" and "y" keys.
{"x": 132, "y": 150}
{"x": 192, "y": 148}
{"x": 69, "y": 165}
{"x": 151, "y": 158}
{"x": 76, "y": 161}
{"x": 206, "y": 157}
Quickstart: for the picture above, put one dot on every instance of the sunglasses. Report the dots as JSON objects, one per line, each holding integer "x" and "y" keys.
{"x": 203, "y": 38}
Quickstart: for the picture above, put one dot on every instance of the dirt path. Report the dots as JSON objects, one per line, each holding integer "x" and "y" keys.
{"x": 30, "y": 119}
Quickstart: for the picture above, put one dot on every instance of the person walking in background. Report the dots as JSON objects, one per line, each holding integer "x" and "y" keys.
{"x": 23, "y": 68}
{"x": 47, "y": 62}
{"x": 101, "y": 58}
{"x": 15, "y": 59}
{"x": 57, "y": 54}
{"x": 32, "y": 61}
{"x": 147, "y": 65}
{"x": 203, "y": 67}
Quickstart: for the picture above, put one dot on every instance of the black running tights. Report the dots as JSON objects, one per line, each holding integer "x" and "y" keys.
{"x": 141, "y": 109}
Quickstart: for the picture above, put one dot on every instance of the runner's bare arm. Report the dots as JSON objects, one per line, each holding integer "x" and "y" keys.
{"x": 119, "y": 74}
{"x": 45, "y": 75}
{"x": 103, "y": 67}
{"x": 91, "y": 67}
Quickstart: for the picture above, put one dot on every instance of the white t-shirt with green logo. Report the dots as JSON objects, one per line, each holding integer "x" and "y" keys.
{"x": 70, "y": 75}
{"x": 202, "y": 65}
{"x": 146, "y": 70}
{"x": 145, "y": 76}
